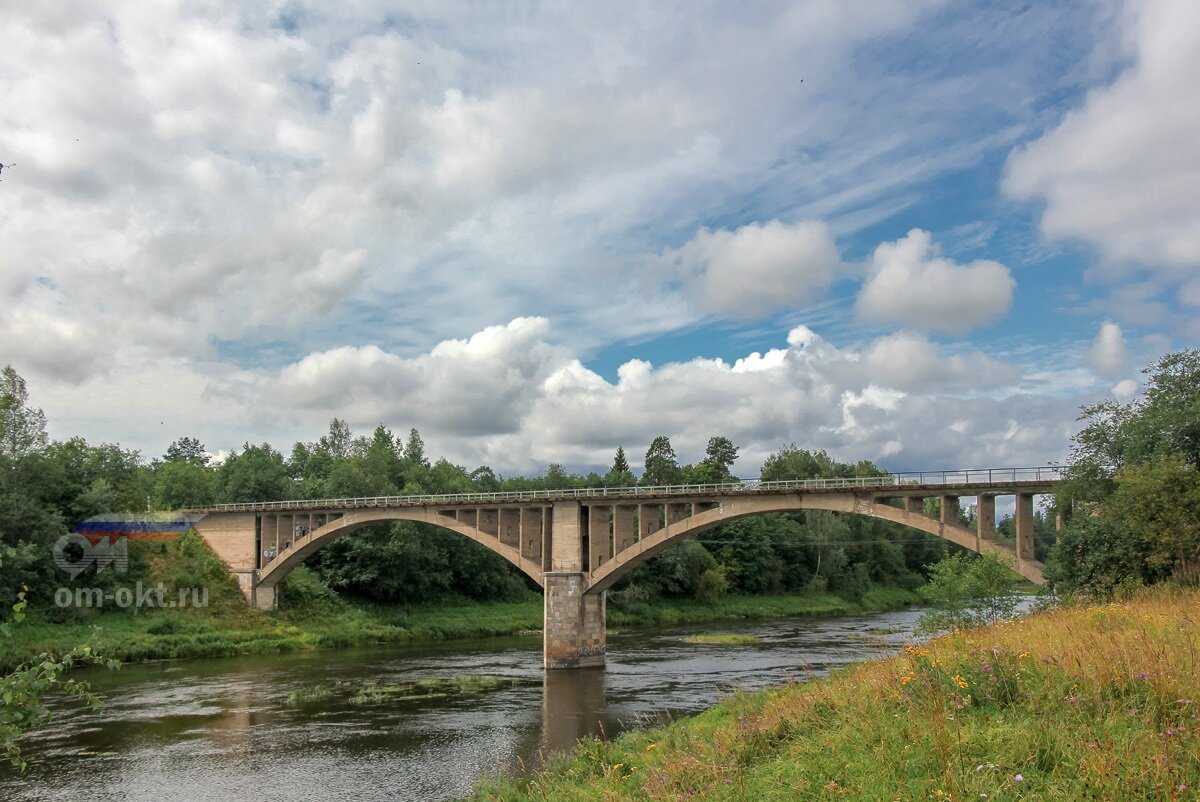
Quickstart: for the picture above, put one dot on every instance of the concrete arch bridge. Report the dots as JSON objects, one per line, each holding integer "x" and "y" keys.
{"x": 576, "y": 543}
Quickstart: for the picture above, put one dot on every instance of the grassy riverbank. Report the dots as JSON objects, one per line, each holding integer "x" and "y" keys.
{"x": 320, "y": 619}
{"x": 1095, "y": 703}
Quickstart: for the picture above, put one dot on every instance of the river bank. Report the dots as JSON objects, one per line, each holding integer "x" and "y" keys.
{"x": 230, "y": 628}
{"x": 1098, "y": 702}
{"x": 337, "y": 723}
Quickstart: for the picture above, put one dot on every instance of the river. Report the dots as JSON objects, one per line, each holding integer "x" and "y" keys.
{"x": 223, "y": 730}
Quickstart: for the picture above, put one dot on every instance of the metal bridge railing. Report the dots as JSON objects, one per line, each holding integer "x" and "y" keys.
{"x": 972, "y": 476}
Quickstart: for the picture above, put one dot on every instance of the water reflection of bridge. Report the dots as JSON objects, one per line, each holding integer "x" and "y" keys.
{"x": 576, "y": 543}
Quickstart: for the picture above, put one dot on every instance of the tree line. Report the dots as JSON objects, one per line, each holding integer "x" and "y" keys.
{"x": 48, "y": 486}
{"x": 1132, "y": 494}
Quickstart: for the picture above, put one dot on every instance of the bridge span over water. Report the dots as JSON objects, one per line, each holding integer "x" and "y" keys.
{"x": 576, "y": 543}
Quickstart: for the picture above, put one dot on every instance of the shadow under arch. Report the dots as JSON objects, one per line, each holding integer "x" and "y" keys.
{"x": 274, "y": 571}
{"x": 731, "y": 509}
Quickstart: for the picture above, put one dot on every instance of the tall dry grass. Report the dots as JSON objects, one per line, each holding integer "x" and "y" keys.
{"x": 1081, "y": 703}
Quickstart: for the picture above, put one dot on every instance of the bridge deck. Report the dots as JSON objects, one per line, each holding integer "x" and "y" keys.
{"x": 987, "y": 481}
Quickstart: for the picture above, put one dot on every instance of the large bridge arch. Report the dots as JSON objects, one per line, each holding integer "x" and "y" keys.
{"x": 271, "y": 574}
{"x": 731, "y": 509}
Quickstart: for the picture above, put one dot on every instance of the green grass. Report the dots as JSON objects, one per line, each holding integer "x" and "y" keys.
{"x": 231, "y": 628}
{"x": 722, "y": 639}
{"x": 314, "y": 617}
{"x": 1097, "y": 703}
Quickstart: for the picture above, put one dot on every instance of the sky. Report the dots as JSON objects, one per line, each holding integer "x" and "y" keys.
{"x": 918, "y": 232}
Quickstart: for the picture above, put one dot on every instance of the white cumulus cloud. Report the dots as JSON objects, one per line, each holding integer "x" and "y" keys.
{"x": 910, "y": 285}
{"x": 1122, "y": 171}
{"x": 1108, "y": 353}
{"x": 758, "y": 268}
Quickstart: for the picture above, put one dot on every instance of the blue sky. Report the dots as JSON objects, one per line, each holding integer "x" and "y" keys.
{"x": 912, "y": 231}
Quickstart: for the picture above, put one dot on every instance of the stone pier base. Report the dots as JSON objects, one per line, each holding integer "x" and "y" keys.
{"x": 264, "y": 597}
{"x": 573, "y": 632}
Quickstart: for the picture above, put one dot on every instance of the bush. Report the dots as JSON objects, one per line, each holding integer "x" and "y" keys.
{"x": 712, "y": 585}
{"x": 967, "y": 592}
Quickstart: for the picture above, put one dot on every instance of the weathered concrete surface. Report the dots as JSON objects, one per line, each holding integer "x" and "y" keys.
{"x": 577, "y": 549}
{"x": 231, "y": 535}
{"x": 573, "y": 633}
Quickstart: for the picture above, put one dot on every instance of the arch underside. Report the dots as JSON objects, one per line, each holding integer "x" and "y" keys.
{"x": 274, "y": 571}
{"x": 732, "y": 509}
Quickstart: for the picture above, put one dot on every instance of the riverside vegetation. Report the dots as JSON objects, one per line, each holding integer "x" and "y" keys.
{"x": 1096, "y": 701}
{"x": 1132, "y": 485}
{"x": 403, "y": 581}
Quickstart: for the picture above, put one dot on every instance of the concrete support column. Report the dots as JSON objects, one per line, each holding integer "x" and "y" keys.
{"x": 949, "y": 509}
{"x": 567, "y": 541}
{"x": 468, "y": 517}
{"x": 489, "y": 521}
{"x": 985, "y": 518}
{"x": 510, "y": 527}
{"x": 624, "y": 531}
{"x": 1024, "y": 514}
{"x": 599, "y": 535}
{"x": 531, "y": 533}
{"x": 648, "y": 515}
{"x": 676, "y": 513}
{"x": 573, "y": 632}
{"x": 573, "y": 627}
{"x": 1061, "y": 516}
{"x": 914, "y": 505}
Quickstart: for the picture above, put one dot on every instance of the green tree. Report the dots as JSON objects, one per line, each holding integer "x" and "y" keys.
{"x": 485, "y": 479}
{"x": 966, "y": 592}
{"x": 337, "y": 441}
{"x": 258, "y": 473}
{"x": 22, "y": 427}
{"x": 1133, "y": 484}
{"x": 661, "y": 466}
{"x": 187, "y": 449}
{"x": 719, "y": 457}
{"x": 620, "y": 475}
{"x": 183, "y": 483}
{"x": 791, "y": 462}
{"x": 414, "y": 450}
{"x": 21, "y": 692}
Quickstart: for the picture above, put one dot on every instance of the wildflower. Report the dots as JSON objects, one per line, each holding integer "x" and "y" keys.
{"x": 1022, "y": 654}
{"x": 651, "y": 746}
{"x": 907, "y": 678}
{"x": 1019, "y": 778}
{"x": 958, "y": 680}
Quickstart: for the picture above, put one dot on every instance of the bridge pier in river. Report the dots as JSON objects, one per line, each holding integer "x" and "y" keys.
{"x": 573, "y": 634}
{"x": 576, "y": 544}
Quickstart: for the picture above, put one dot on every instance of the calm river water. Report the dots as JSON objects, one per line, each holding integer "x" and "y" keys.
{"x": 221, "y": 729}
